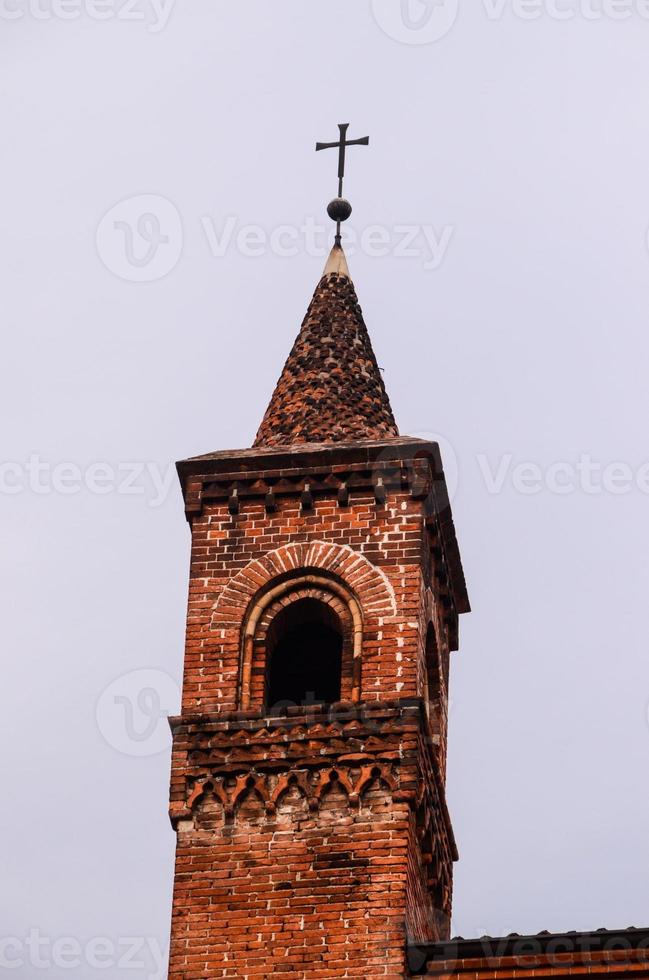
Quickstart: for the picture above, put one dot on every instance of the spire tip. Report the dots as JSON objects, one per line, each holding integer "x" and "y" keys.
{"x": 336, "y": 263}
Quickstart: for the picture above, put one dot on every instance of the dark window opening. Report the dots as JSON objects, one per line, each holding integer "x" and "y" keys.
{"x": 433, "y": 680}
{"x": 304, "y": 655}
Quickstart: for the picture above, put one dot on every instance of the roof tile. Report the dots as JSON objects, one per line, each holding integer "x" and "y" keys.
{"x": 331, "y": 389}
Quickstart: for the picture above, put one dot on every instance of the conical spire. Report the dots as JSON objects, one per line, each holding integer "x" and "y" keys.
{"x": 331, "y": 389}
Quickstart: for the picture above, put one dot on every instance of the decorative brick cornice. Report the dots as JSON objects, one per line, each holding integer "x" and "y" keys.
{"x": 341, "y": 470}
{"x": 390, "y": 738}
{"x": 269, "y": 787}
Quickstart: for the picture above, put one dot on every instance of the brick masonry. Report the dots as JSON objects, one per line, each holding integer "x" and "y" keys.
{"x": 316, "y": 844}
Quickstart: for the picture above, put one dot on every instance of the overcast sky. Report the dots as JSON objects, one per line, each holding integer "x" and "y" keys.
{"x": 164, "y": 230}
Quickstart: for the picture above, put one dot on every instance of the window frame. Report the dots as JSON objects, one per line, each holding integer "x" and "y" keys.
{"x": 261, "y": 613}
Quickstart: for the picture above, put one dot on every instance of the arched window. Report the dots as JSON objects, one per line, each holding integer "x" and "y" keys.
{"x": 301, "y": 644}
{"x": 304, "y": 653}
{"x": 433, "y": 680}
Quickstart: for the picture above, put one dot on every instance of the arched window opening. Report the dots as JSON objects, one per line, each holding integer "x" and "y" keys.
{"x": 433, "y": 680}
{"x": 304, "y": 655}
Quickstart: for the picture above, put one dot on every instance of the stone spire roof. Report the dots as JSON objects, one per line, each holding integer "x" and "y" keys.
{"x": 331, "y": 389}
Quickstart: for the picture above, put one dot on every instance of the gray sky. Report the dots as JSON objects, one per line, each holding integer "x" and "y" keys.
{"x": 510, "y": 155}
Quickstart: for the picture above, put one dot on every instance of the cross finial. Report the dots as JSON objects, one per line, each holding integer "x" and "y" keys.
{"x": 339, "y": 209}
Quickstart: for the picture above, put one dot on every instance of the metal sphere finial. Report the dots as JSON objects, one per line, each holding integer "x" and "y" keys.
{"x": 339, "y": 209}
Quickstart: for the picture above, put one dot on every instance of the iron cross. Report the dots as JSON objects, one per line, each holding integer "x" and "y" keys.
{"x": 342, "y": 145}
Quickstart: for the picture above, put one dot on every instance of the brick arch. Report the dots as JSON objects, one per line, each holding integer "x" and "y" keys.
{"x": 369, "y": 583}
{"x": 261, "y": 613}
{"x": 302, "y": 588}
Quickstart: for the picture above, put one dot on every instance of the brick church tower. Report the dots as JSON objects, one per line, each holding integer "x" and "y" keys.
{"x": 308, "y": 772}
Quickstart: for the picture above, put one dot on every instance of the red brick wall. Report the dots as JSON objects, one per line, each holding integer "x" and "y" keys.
{"x": 301, "y": 845}
{"x": 313, "y": 894}
{"x": 391, "y": 538}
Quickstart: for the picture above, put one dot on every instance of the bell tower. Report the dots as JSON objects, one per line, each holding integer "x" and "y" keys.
{"x": 308, "y": 770}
